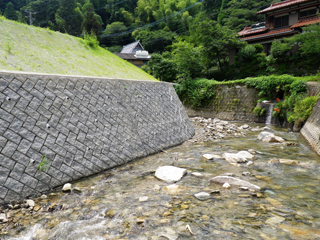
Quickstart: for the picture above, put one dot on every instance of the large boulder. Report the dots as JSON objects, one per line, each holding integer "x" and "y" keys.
{"x": 269, "y": 137}
{"x": 264, "y": 134}
{"x": 273, "y": 139}
{"x": 234, "y": 182}
{"x": 170, "y": 174}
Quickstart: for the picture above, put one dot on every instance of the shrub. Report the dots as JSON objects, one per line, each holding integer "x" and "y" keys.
{"x": 258, "y": 111}
{"x": 90, "y": 40}
{"x": 303, "y": 109}
{"x": 196, "y": 92}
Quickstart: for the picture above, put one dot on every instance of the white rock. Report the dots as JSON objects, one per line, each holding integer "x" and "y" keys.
{"x": 273, "y": 139}
{"x": 245, "y": 154}
{"x": 245, "y": 126}
{"x": 66, "y": 187}
{"x": 246, "y": 173}
{"x": 249, "y": 163}
{"x": 275, "y": 220}
{"x": 143, "y": 199}
{"x": 264, "y": 134}
{"x": 197, "y": 174}
{"x": 233, "y": 158}
{"x": 202, "y": 196}
{"x": 30, "y": 203}
{"x": 170, "y": 174}
{"x": 226, "y": 185}
{"x": 208, "y": 156}
{"x": 3, "y": 218}
{"x": 234, "y": 181}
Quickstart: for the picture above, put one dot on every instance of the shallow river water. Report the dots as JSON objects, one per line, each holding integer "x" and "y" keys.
{"x": 111, "y": 204}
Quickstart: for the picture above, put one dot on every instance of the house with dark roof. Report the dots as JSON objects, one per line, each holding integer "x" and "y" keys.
{"x": 282, "y": 19}
{"x": 134, "y": 53}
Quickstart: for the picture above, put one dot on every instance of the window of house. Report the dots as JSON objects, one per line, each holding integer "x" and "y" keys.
{"x": 281, "y": 21}
{"x": 308, "y": 13}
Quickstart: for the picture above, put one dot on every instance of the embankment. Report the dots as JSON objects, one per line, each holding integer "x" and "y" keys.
{"x": 232, "y": 102}
{"x": 83, "y": 125}
{"x": 311, "y": 129}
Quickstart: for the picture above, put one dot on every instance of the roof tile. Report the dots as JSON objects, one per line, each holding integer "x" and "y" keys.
{"x": 283, "y": 4}
{"x": 305, "y": 22}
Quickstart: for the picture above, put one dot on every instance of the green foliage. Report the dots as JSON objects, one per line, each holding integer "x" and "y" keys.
{"x": 258, "y": 111}
{"x": 247, "y": 52}
{"x": 303, "y": 109}
{"x": 90, "y": 39}
{"x": 9, "y": 12}
{"x": 279, "y": 50}
{"x": 44, "y": 164}
{"x": 274, "y": 85}
{"x": 197, "y": 92}
{"x": 187, "y": 57}
{"x": 162, "y": 67}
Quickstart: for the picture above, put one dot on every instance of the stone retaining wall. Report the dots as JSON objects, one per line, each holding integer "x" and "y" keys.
{"x": 311, "y": 129}
{"x": 231, "y": 102}
{"x": 84, "y": 125}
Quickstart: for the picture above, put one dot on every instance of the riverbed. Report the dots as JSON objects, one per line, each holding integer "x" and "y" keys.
{"x": 129, "y": 202}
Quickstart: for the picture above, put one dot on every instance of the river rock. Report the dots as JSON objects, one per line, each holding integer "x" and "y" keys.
{"x": 143, "y": 199}
{"x": 66, "y": 187}
{"x": 233, "y": 158}
{"x": 197, "y": 174}
{"x": 202, "y": 196}
{"x": 275, "y": 220}
{"x": 245, "y": 154}
{"x": 289, "y": 161}
{"x": 273, "y": 139}
{"x": 30, "y": 203}
{"x": 234, "y": 181}
{"x": 170, "y": 174}
{"x": 210, "y": 156}
{"x": 173, "y": 189}
{"x": 3, "y": 218}
{"x": 264, "y": 134}
{"x": 226, "y": 185}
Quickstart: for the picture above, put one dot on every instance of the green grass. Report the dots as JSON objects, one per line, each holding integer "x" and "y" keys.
{"x": 32, "y": 49}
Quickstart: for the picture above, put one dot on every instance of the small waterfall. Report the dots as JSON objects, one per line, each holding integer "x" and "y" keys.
{"x": 269, "y": 114}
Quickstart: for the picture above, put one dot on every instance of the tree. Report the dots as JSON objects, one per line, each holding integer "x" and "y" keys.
{"x": 187, "y": 57}
{"x": 215, "y": 41}
{"x": 91, "y": 20}
{"x": 10, "y": 13}
{"x": 65, "y": 17}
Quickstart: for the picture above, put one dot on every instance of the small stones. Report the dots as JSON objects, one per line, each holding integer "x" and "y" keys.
{"x": 234, "y": 181}
{"x": 143, "y": 199}
{"x": 173, "y": 189}
{"x": 210, "y": 156}
{"x": 76, "y": 190}
{"x": 246, "y": 173}
{"x": 141, "y": 220}
{"x": 275, "y": 220}
{"x": 165, "y": 221}
{"x": 197, "y": 174}
{"x": 110, "y": 213}
{"x": 226, "y": 185}
{"x": 215, "y": 192}
{"x": 202, "y": 196}
{"x": 66, "y": 187}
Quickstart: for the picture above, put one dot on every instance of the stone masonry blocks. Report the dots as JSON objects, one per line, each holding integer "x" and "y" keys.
{"x": 84, "y": 125}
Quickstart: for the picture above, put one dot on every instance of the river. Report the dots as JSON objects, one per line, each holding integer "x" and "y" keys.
{"x": 130, "y": 203}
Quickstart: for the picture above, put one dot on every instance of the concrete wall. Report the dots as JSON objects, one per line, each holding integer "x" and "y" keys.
{"x": 311, "y": 129}
{"x": 231, "y": 102}
{"x": 84, "y": 125}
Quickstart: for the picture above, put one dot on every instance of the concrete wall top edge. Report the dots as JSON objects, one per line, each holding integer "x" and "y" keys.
{"x": 5, "y": 72}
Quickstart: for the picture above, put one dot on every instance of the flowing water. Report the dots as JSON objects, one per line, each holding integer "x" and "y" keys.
{"x": 111, "y": 204}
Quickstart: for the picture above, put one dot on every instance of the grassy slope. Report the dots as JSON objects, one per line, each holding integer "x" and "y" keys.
{"x": 31, "y": 49}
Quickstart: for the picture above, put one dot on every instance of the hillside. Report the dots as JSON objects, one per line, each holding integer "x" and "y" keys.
{"x": 32, "y": 49}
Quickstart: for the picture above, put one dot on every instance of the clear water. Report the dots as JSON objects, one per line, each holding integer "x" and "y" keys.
{"x": 108, "y": 206}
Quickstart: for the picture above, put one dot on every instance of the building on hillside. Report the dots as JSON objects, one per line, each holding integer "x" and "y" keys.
{"x": 134, "y": 53}
{"x": 282, "y": 19}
